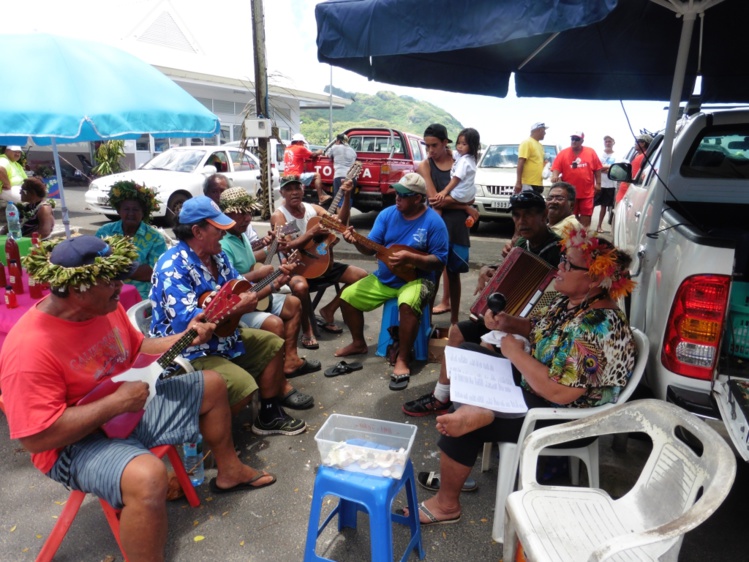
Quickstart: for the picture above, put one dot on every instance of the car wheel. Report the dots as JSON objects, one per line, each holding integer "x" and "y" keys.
{"x": 173, "y": 207}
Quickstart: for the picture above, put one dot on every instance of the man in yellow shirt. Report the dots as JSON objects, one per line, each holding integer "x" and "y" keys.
{"x": 531, "y": 161}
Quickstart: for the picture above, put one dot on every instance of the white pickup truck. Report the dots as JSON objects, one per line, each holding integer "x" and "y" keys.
{"x": 694, "y": 306}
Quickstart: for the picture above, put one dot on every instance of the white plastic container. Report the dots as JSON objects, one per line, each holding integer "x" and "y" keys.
{"x": 369, "y": 446}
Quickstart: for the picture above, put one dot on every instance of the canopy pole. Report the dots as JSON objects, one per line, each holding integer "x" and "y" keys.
{"x": 649, "y": 252}
{"x": 63, "y": 206}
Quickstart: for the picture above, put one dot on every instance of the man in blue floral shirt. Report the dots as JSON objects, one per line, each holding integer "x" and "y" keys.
{"x": 248, "y": 359}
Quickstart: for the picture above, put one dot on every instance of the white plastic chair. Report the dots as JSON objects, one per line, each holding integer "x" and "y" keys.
{"x": 509, "y": 453}
{"x": 140, "y": 316}
{"x": 648, "y": 523}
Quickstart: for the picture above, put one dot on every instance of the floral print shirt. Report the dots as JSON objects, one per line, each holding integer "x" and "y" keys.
{"x": 594, "y": 349}
{"x": 148, "y": 242}
{"x": 179, "y": 278}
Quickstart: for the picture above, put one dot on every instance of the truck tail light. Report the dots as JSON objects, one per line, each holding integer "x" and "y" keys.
{"x": 695, "y": 325}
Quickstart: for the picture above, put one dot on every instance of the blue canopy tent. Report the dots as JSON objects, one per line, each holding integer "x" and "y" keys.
{"x": 62, "y": 90}
{"x": 579, "y": 49}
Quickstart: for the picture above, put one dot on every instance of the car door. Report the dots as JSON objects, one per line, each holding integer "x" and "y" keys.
{"x": 245, "y": 171}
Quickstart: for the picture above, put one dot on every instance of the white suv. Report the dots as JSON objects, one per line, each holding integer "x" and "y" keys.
{"x": 496, "y": 175}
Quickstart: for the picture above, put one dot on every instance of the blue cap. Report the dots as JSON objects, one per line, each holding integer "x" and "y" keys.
{"x": 83, "y": 250}
{"x": 204, "y": 208}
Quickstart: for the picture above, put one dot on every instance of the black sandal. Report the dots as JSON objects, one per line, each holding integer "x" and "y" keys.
{"x": 399, "y": 382}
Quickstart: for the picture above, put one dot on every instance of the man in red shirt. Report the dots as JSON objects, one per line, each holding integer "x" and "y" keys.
{"x": 294, "y": 157}
{"x": 580, "y": 166}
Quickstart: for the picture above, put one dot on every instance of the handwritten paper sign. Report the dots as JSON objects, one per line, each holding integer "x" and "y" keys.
{"x": 482, "y": 380}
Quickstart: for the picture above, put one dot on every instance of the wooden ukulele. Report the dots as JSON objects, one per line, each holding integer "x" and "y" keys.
{"x": 317, "y": 255}
{"x": 406, "y": 272}
{"x": 265, "y": 303}
{"x": 229, "y": 323}
{"x": 149, "y": 368}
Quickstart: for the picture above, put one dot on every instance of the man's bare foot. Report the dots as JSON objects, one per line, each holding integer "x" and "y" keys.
{"x": 327, "y": 315}
{"x": 464, "y": 420}
{"x": 245, "y": 474}
{"x": 352, "y": 349}
{"x": 441, "y": 308}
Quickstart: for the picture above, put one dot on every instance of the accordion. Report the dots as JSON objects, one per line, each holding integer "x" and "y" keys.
{"x": 523, "y": 278}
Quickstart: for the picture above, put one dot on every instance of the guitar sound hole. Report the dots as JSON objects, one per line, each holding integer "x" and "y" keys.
{"x": 319, "y": 238}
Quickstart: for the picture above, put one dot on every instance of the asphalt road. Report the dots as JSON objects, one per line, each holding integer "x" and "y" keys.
{"x": 271, "y": 524}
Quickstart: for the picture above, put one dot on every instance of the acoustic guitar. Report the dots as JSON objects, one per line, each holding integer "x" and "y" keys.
{"x": 317, "y": 255}
{"x": 265, "y": 303}
{"x": 149, "y": 368}
{"x": 407, "y": 272}
{"x": 229, "y": 323}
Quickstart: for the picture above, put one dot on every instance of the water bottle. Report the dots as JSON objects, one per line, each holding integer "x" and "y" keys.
{"x": 14, "y": 220}
{"x": 193, "y": 461}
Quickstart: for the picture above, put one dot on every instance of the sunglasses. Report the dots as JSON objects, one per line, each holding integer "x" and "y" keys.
{"x": 566, "y": 265}
{"x": 575, "y": 139}
{"x": 526, "y": 197}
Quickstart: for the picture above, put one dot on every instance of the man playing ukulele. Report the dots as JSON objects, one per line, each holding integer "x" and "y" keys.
{"x": 296, "y": 210}
{"x": 410, "y": 223}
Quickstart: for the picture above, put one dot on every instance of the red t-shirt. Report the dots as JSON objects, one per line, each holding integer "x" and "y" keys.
{"x": 47, "y": 364}
{"x": 582, "y": 174}
{"x": 293, "y": 159}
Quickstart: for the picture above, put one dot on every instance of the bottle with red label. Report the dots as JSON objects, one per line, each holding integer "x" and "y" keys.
{"x": 15, "y": 278}
{"x": 10, "y": 297}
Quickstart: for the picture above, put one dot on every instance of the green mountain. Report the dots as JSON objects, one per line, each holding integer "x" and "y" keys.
{"x": 384, "y": 109}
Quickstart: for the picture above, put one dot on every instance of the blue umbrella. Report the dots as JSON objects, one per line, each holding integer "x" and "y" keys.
{"x": 62, "y": 90}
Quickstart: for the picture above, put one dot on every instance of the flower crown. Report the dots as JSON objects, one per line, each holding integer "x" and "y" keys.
{"x": 129, "y": 190}
{"x": 603, "y": 260}
{"x": 82, "y": 277}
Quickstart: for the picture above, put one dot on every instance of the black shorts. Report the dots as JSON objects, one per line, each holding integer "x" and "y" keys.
{"x": 605, "y": 197}
{"x": 332, "y": 275}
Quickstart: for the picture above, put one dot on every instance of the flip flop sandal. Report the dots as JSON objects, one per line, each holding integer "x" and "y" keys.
{"x": 309, "y": 366}
{"x": 310, "y": 343}
{"x": 432, "y": 519}
{"x": 431, "y": 481}
{"x": 437, "y": 310}
{"x": 330, "y": 327}
{"x": 399, "y": 382}
{"x": 243, "y": 487}
{"x": 343, "y": 368}
{"x": 297, "y": 401}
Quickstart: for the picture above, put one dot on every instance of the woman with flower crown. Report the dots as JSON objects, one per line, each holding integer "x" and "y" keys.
{"x": 134, "y": 204}
{"x": 582, "y": 353}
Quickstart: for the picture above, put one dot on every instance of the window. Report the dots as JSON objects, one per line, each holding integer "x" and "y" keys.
{"x": 143, "y": 143}
{"x": 416, "y": 149}
{"x": 242, "y": 162}
{"x": 719, "y": 152}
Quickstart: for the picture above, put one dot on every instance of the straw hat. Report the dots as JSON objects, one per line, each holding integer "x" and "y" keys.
{"x": 237, "y": 200}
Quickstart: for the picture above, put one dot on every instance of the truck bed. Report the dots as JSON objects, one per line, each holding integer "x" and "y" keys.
{"x": 719, "y": 225}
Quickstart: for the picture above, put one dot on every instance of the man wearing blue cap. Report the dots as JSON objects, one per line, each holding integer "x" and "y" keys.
{"x": 248, "y": 359}
{"x": 89, "y": 340}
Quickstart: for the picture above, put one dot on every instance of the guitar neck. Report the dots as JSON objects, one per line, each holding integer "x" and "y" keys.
{"x": 360, "y": 239}
{"x": 173, "y": 352}
{"x": 333, "y": 207}
{"x": 266, "y": 281}
{"x": 351, "y": 174}
{"x": 271, "y": 251}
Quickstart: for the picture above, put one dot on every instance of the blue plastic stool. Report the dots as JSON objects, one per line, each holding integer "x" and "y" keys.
{"x": 390, "y": 317}
{"x": 372, "y": 494}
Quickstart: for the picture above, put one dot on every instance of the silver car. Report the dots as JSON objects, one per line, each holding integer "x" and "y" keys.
{"x": 177, "y": 175}
{"x": 496, "y": 175}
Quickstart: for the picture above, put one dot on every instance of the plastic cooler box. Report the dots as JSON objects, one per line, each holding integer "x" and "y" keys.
{"x": 369, "y": 446}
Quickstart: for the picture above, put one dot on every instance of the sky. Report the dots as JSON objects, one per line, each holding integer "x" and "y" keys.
{"x": 223, "y": 31}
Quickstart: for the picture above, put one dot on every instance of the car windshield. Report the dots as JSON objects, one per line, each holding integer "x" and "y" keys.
{"x": 176, "y": 161}
{"x": 506, "y": 156}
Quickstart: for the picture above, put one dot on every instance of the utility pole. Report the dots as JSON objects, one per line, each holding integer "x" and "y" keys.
{"x": 261, "y": 102}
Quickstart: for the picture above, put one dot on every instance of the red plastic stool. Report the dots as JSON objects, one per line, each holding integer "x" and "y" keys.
{"x": 113, "y": 515}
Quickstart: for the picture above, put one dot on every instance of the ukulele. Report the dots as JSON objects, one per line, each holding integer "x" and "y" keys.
{"x": 149, "y": 368}
{"x": 265, "y": 303}
{"x": 317, "y": 255}
{"x": 226, "y": 326}
{"x": 407, "y": 272}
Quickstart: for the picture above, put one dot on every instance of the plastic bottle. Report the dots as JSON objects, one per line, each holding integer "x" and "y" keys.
{"x": 193, "y": 461}
{"x": 10, "y": 297}
{"x": 14, "y": 220}
{"x": 3, "y": 280}
{"x": 15, "y": 277}
{"x": 470, "y": 222}
{"x": 35, "y": 289}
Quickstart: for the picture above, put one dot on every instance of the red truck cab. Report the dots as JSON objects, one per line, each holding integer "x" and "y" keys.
{"x": 386, "y": 155}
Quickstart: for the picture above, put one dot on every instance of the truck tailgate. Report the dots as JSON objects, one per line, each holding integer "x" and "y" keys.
{"x": 732, "y": 397}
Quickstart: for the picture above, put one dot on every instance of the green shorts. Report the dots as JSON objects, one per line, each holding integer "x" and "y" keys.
{"x": 369, "y": 293}
{"x": 240, "y": 373}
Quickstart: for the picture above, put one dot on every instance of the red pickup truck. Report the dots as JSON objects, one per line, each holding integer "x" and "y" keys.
{"x": 386, "y": 155}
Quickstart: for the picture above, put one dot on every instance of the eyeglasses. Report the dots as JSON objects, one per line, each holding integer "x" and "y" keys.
{"x": 575, "y": 139}
{"x": 566, "y": 265}
{"x": 557, "y": 198}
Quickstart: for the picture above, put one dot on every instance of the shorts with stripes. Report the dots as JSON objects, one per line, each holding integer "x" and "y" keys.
{"x": 95, "y": 463}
